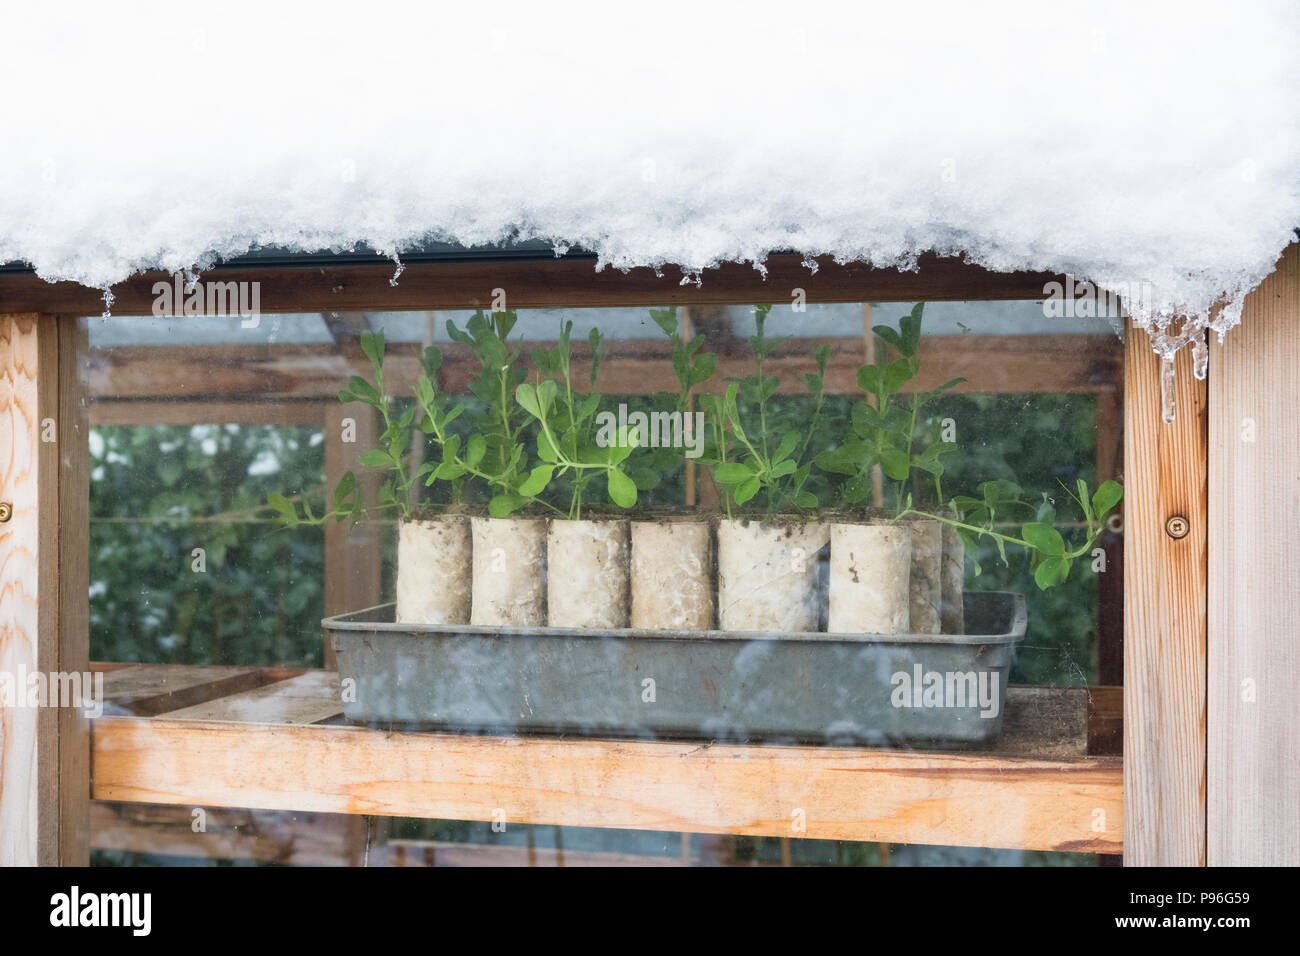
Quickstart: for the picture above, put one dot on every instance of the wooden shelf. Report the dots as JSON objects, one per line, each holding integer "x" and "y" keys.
{"x": 267, "y": 739}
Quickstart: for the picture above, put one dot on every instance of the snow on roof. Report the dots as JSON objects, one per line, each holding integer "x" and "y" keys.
{"x": 1152, "y": 148}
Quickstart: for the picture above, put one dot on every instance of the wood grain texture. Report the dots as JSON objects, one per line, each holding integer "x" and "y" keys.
{"x": 974, "y": 797}
{"x": 1164, "y": 615}
{"x": 305, "y": 699}
{"x": 148, "y": 689}
{"x": 545, "y": 282}
{"x": 1038, "y": 790}
{"x": 29, "y": 754}
{"x": 1254, "y": 612}
{"x": 844, "y": 794}
{"x": 110, "y": 412}
{"x": 190, "y": 376}
{"x": 353, "y": 558}
{"x": 73, "y": 586}
{"x": 267, "y": 836}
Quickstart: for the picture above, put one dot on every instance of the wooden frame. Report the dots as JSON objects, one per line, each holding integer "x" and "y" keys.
{"x": 207, "y": 744}
{"x": 1165, "y": 614}
{"x": 44, "y": 751}
{"x": 1167, "y": 667}
{"x": 1254, "y": 594}
{"x": 531, "y": 283}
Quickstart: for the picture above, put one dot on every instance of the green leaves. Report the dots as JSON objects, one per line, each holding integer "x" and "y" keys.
{"x": 870, "y": 381}
{"x": 1044, "y": 538}
{"x": 889, "y": 428}
{"x": 909, "y": 329}
{"x": 537, "y": 400}
{"x": 363, "y": 391}
{"x": 504, "y": 505}
{"x": 666, "y": 319}
{"x": 787, "y": 446}
{"x": 537, "y": 481}
{"x": 372, "y": 346}
{"x": 475, "y": 450}
{"x": 278, "y": 503}
{"x": 565, "y": 422}
{"x": 732, "y": 473}
{"x": 895, "y": 464}
{"x": 1106, "y": 498}
{"x": 347, "y": 486}
{"x": 897, "y": 375}
{"x": 1051, "y": 571}
{"x": 703, "y": 368}
{"x": 1051, "y": 556}
{"x": 622, "y": 489}
{"x": 775, "y": 459}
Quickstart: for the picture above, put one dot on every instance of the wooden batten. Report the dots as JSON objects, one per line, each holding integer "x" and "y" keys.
{"x": 353, "y": 555}
{"x": 234, "y": 376}
{"x": 44, "y": 750}
{"x": 533, "y": 283}
{"x": 1165, "y": 614}
{"x": 1254, "y": 600}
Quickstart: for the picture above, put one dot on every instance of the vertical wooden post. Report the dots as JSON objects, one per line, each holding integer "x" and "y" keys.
{"x": 1110, "y": 586}
{"x": 44, "y": 751}
{"x": 1164, "y": 614}
{"x": 1254, "y": 601}
{"x": 74, "y": 584}
{"x": 353, "y": 560}
{"x": 869, "y": 358}
{"x": 687, "y": 330}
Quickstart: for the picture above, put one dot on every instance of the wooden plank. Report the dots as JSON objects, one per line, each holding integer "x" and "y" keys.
{"x": 1164, "y": 615}
{"x": 149, "y": 689}
{"x": 353, "y": 558}
{"x": 318, "y": 839}
{"x": 547, "y": 282}
{"x": 839, "y": 793}
{"x": 44, "y": 579}
{"x": 1045, "y": 722}
{"x": 226, "y": 373}
{"x": 267, "y": 836}
{"x": 1040, "y": 721}
{"x": 1110, "y": 585}
{"x": 161, "y": 412}
{"x": 304, "y": 699}
{"x": 74, "y": 587}
{"x": 439, "y": 853}
{"x": 1254, "y": 640}
{"x": 29, "y": 592}
{"x": 1105, "y": 720}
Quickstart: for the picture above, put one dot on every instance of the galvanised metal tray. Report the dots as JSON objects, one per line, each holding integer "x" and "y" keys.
{"x": 849, "y": 689}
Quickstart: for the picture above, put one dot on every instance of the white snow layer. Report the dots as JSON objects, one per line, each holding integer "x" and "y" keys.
{"x": 1153, "y": 148}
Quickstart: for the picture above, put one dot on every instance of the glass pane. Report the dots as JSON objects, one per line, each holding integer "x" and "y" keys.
{"x": 936, "y": 580}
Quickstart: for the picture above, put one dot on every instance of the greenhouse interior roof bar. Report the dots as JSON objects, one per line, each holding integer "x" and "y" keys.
{"x": 775, "y": 481}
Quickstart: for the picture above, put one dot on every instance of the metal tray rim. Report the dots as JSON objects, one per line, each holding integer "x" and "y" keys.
{"x": 346, "y": 622}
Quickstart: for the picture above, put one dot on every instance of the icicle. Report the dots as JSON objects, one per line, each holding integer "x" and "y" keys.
{"x": 109, "y": 298}
{"x": 1200, "y": 358}
{"x": 1167, "y": 403}
{"x": 400, "y": 269}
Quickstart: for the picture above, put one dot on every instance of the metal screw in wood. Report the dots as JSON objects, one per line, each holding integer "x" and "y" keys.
{"x": 1177, "y": 527}
{"x": 6, "y": 511}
